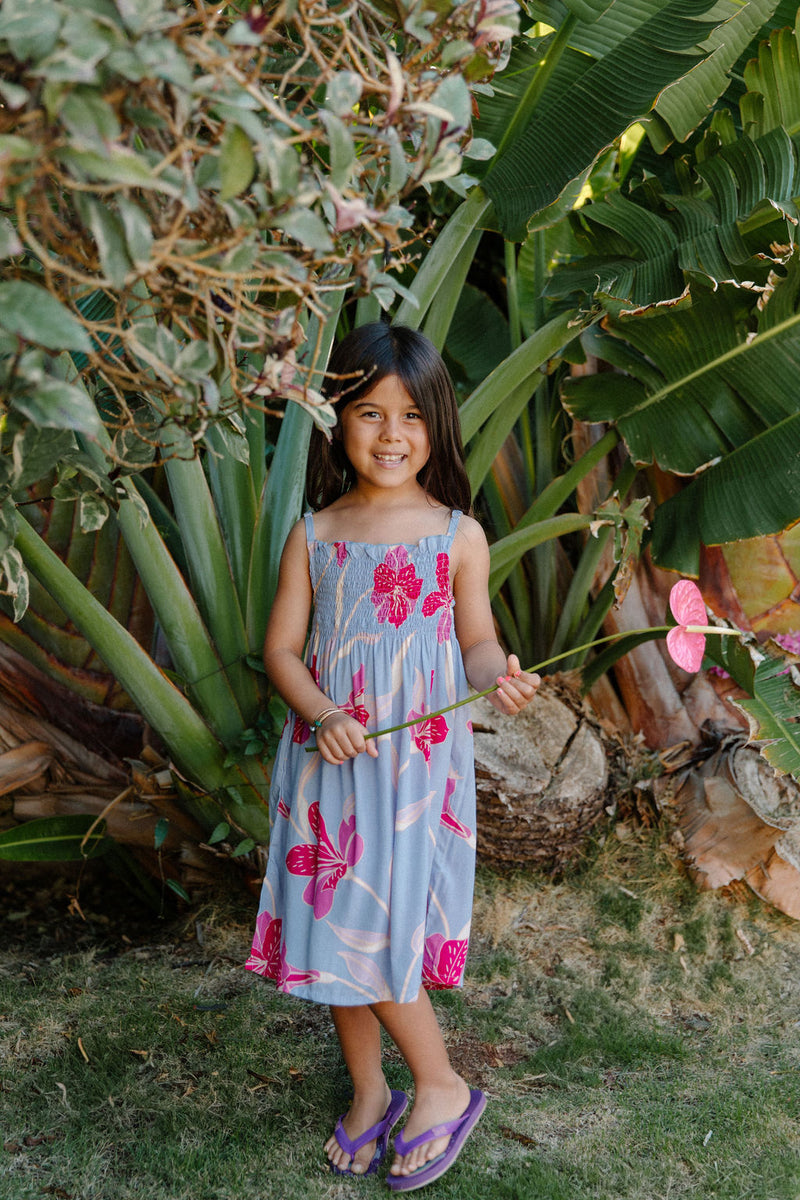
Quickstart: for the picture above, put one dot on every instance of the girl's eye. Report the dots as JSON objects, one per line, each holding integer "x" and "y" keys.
{"x": 416, "y": 416}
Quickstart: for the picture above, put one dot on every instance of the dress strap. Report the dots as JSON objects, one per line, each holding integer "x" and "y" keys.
{"x": 454, "y": 519}
{"x": 308, "y": 517}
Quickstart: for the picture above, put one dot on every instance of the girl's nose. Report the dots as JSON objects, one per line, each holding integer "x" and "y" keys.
{"x": 390, "y": 430}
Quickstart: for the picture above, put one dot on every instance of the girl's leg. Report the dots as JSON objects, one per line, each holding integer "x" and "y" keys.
{"x": 359, "y": 1035}
{"x": 439, "y": 1093}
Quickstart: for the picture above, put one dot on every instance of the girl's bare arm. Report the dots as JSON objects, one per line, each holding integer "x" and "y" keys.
{"x": 341, "y": 736}
{"x": 485, "y": 662}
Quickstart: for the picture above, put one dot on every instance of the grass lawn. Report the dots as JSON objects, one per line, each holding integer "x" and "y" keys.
{"x": 638, "y": 1041}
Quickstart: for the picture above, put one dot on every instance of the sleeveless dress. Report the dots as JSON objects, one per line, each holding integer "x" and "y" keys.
{"x": 368, "y": 889}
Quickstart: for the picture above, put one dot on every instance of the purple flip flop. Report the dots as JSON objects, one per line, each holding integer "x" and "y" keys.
{"x": 377, "y": 1133}
{"x": 458, "y": 1129}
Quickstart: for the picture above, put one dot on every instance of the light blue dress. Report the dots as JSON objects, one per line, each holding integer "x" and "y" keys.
{"x": 368, "y": 889}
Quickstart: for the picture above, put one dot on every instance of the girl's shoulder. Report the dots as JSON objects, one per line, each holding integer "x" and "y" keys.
{"x": 296, "y": 544}
{"x": 469, "y": 543}
{"x": 469, "y": 532}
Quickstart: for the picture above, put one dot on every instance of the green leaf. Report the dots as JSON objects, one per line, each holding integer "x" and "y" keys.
{"x": 137, "y": 229}
{"x": 237, "y": 163}
{"x": 478, "y": 338}
{"x": 615, "y": 70}
{"x": 109, "y": 236}
{"x": 341, "y": 149}
{"x": 119, "y": 165}
{"x": 92, "y": 511}
{"x": 219, "y": 833}
{"x": 774, "y": 715}
{"x": 54, "y": 839}
{"x": 506, "y": 552}
{"x": 14, "y": 96}
{"x": 458, "y": 236}
{"x": 36, "y": 452}
{"x": 343, "y": 92}
{"x": 307, "y": 228}
{"x": 646, "y": 246}
{"x": 14, "y": 581}
{"x": 588, "y": 10}
{"x": 30, "y": 30}
{"x": 519, "y": 370}
{"x": 708, "y": 397}
{"x": 684, "y": 105}
{"x": 244, "y": 847}
{"x": 160, "y": 832}
{"x": 282, "y": 496}
{"x": 174, "y": 886}
{"x": 10, "y": 245}
{"x": 58, "y": 405}
{"x": 90, "y": 119}
{"x": 191, "y": 743}
{"x": 773, "y": 98}
{"x": 34, "y": 314}
{"x": 766, "y": 471}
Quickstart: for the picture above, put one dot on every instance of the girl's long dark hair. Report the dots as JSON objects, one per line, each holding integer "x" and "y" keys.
{"x": 363, "y": 358}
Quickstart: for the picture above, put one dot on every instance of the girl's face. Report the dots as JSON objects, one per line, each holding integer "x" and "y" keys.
{"x": 384, "y": 436}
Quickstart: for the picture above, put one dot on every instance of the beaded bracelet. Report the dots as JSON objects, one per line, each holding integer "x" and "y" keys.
{"x": 323, "y": 716}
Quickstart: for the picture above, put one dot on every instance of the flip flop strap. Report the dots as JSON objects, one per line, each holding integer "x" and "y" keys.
{"x": 351, "y": 1146}
{"x": 446, "y": 1129}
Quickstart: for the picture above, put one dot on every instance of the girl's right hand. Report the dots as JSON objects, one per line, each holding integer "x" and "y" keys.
{"x": 341, "y": 737}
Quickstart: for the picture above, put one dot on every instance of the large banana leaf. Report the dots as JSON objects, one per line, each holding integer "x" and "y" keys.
{"x": 683, "y": 105}
{"x": 773, "y": 96}
{"x": 608, "y": 77}
{"x": 646, "y": 247}
{"x": 694, "y": 393}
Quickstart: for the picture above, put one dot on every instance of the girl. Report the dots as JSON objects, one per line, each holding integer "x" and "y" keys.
{"x": 368, "y": 891}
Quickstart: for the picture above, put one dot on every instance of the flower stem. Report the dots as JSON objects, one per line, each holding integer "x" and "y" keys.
{"x": 529, "y": 671}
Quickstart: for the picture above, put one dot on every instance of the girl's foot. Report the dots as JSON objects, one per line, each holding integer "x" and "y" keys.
{"x": 432, "y": 1107}
{"x": 364, "y": 1112}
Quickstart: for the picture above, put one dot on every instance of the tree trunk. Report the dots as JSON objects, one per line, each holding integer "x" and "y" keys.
{"x": 541, "y": 779}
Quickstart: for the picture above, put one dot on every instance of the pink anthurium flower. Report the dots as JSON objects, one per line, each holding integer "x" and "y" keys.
{"x": 686, "y": 644}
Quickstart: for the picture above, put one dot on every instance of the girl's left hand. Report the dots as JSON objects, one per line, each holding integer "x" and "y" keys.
{"x": 515, "y": 689}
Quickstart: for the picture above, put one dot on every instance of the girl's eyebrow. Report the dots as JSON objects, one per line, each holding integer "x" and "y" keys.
{"x": 373, "y": 404}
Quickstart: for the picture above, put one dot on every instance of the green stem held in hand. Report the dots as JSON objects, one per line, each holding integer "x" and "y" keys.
{"x": 685, "y": 603}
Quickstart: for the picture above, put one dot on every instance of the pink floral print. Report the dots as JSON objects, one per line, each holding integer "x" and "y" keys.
{"x": 341, "y": 553}
{"x": 449, "y": 818}
{"x": 443, "y": 962}
{"x": 354, "y": 706}
{"x": 427, "y": 732}
{"x": 323, "y": 862}
{"x": 283, "y": 808}
{"x": 268, "y": 956}
{"x": 442, "y": 598}
{"x": 396, "y": 587}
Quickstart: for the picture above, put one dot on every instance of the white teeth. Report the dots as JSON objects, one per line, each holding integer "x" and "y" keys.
{"x": 390, "y": 457}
